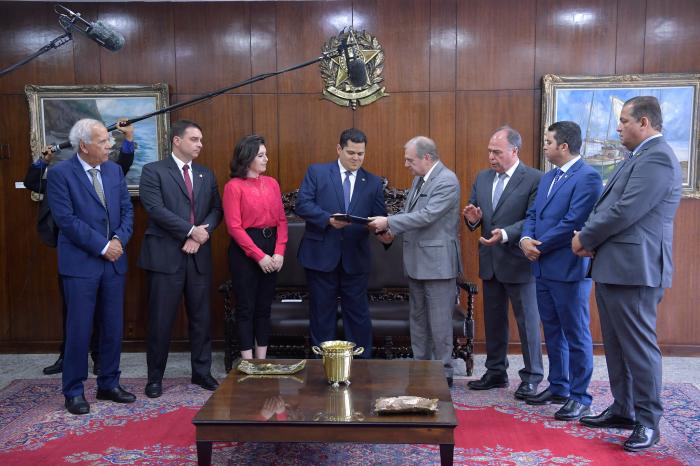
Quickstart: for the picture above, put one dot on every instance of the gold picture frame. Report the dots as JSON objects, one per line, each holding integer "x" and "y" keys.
{"x": 594, "y": 102}
{"x": 54, "y": 109}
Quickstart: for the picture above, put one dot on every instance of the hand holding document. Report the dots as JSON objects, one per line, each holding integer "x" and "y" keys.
{"x": 350, "y": 218}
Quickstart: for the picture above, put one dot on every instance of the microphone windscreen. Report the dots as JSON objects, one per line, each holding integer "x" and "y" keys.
{"x": 106, "y": 36}
{"x": 357, "y": 72}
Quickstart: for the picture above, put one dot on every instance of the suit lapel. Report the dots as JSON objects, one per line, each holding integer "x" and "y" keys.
{"x": 426, "y": 185}
{"x": 510, "y": 187}
{"x": 358, "y": 189}
{"x": 409, "y": 197}
{"x": 177, "y": 176}
{"x": 334, "y": 176}
{"x": 570, "y": 173}
{"x": 487, "y": 192}
{"x": 197, "y": 184}
{"x": 628, "y": 162}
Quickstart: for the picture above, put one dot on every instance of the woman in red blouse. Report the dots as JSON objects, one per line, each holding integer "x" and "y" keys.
{"x": 257, "y": 224}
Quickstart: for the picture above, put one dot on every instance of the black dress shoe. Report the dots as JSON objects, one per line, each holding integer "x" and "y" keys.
{"x": 154, "y": 389}
{"x": 642, "y": 437}
{"x": 488, "y": 381}
{"x": 525, "y": 390}
{"x": 77, "y": 405}
{"x": 55, "y": 368}
{"x": 449, "y": 382}
{"x": 572, "y": 411}
{"x": 116, "y": 394}
{"x": 607, "y": 419}
{"x": 207, "y": 382}
{"x": 545, "y": 398}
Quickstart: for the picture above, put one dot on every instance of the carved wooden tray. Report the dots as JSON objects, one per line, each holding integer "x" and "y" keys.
{"x": 406, "y": 404}
{"x": 250, "y": 368}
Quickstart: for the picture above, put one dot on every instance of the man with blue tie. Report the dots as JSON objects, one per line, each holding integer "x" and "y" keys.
{"x": 90, "y": 204}
{"x": 335, "y": 253}
{"x": 565, "y": 198}
{"x": 498, "y": 204}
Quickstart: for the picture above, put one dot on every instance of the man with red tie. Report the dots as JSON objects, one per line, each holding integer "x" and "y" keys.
{"x": 183, "y": 205}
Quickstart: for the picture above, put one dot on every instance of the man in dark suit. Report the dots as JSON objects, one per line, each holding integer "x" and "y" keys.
{"x": 630, "y": 236}
{"x": 429, "y": 223}
{"x": 498, "y": 203}
{"x": 183, "y": 205}
{"x": 90, "y": 203}
{"x": 564, "y": 200}
{"x": 335, "y": 253}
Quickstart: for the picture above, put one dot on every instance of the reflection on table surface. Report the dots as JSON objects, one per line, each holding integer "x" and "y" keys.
{"x": 307, "y": 397}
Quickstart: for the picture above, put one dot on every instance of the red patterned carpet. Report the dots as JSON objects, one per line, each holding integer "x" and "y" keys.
{"x": 494, "y": 429}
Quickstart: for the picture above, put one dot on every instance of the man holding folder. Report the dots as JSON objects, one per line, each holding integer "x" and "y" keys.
{"x": 335, "y": 247}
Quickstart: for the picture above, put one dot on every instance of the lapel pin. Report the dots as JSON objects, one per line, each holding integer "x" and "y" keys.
{"x": 363, "y": 179}
{"x": 200, "y": 175}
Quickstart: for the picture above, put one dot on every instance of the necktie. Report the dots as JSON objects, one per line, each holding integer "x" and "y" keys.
{"x": 557, "y": 176}
{"x": 98, "y": 186}
{"x": 346, "y": 190}
{"x": 499, "y": 189}
{"x": 419, "y": 185}
{"x": 98, "y": 189}
{"x": 190, "y": 192}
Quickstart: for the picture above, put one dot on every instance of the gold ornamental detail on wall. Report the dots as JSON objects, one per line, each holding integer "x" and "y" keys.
{"x": 338, "y": 85}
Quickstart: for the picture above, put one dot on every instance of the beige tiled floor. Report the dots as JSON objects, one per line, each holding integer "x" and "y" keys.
{"x": 28, "y": 366}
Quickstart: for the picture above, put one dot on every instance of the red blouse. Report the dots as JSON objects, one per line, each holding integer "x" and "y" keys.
{"x": 254, "y": 203}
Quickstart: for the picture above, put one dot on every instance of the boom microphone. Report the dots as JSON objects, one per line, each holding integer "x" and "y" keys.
{"x": 97, "y": 31}
{"x": 356, "y": 65}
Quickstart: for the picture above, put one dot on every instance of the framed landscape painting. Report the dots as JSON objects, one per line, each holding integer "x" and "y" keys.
{"x": 54, "y": 109}
{"x": 595, "y": 104}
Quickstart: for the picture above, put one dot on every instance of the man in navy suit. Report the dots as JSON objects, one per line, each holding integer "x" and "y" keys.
{"x": 565, "y": 198}
{"x": 630, "y": 233}
{"x": 335, "y": 253}
{"x": 90, "y": 203}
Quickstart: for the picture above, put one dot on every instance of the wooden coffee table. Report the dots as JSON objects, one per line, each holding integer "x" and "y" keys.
{"x": 305, "y": 408}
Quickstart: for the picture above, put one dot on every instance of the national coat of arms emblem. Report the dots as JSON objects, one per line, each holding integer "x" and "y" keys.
{"x": 362, "y": 53}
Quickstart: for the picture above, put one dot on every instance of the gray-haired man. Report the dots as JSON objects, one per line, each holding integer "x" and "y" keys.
{"x": 429, "y": 223}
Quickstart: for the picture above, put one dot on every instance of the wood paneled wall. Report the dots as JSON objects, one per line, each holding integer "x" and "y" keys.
{"x": 455, "y": 71}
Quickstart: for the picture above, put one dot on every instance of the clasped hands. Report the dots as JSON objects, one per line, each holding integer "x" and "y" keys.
{"x": 577, "y": 247}
{"x": 273, "y": 405}
{"x": 198, "y": 237}
{"x": 114, "y": 250}
{"x": 271, "y": 264}
{"x": 529, "y": 248}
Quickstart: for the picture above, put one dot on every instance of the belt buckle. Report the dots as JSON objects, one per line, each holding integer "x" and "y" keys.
{"x": 266, "y": 232}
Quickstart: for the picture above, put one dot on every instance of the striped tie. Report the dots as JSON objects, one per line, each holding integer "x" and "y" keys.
{"x": 100, "y": 192}
{"x": 98, "y": 186}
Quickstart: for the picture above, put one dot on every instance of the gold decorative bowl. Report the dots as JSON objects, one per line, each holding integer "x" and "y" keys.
{"x": 337, "y": 357}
